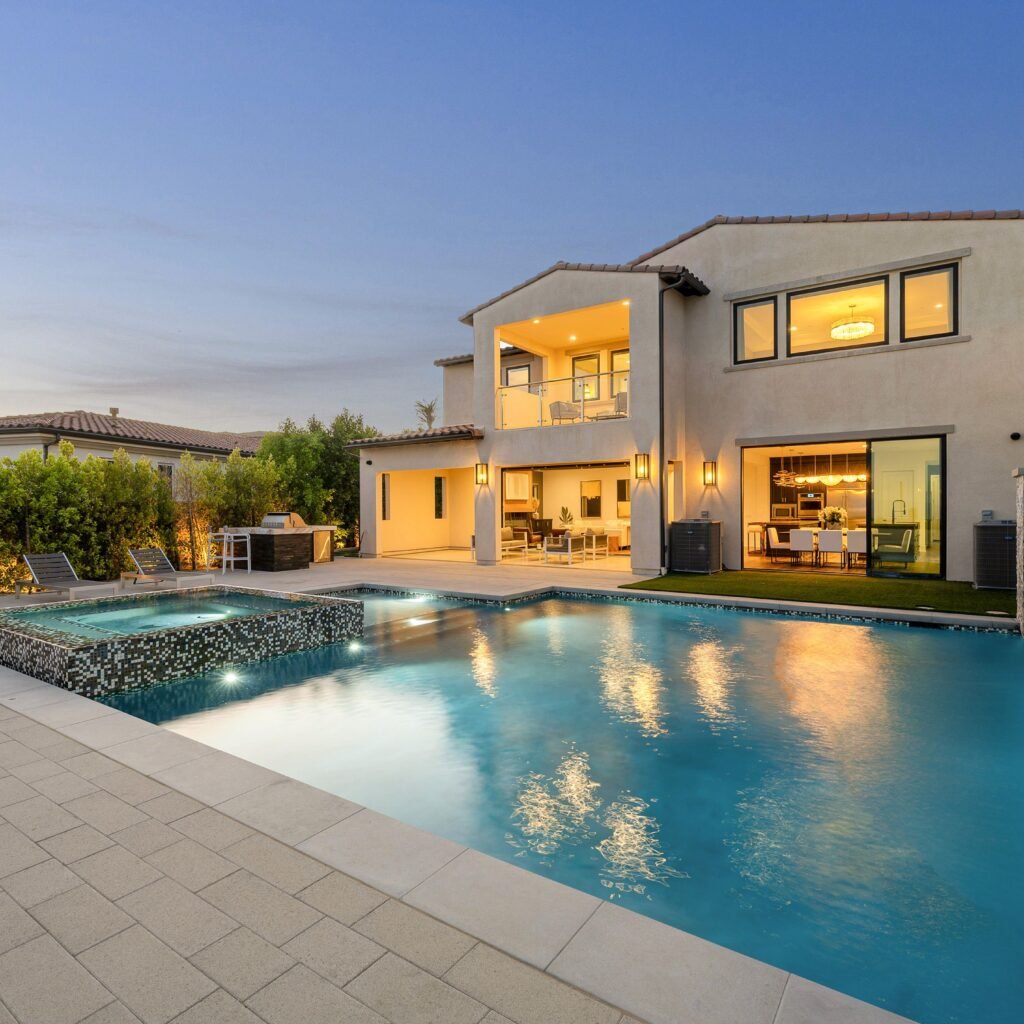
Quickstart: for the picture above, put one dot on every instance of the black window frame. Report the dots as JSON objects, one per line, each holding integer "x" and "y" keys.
{"x": 954, "y": 269}
{"x": 614, "y": 374}
{"x": 596, "y": 375}
{"x": 837, "y": 286}
{"x": 528, "y": 367}
{"x": 440, "y": 498}
{"x": 736, "y": 307}
{"x": 385, "y": 497}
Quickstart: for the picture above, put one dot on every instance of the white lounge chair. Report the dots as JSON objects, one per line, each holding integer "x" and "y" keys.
{"x": 155, "y": 567}
{"x": 54, "y": 572}
{"x": 597, "y": 540}
{"x": 564, "y": 411}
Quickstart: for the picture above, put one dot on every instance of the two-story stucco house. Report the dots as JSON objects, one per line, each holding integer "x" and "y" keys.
{"x": 758, "y": 370}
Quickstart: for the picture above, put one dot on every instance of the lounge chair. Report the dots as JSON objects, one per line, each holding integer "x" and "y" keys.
{"x": 514, "y": 540}
{"x": 618, "y": 411}
{"x": 567, "y": 545}
{"x": 564, "y": 411}
{"x": 885, "y": 551}
{"x": 54, "y": 572}
{"x": 597, "y": 541}
{"x": 155, "y": 567}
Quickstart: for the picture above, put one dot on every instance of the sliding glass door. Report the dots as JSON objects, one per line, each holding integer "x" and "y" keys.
{"x": 907, "y": 507}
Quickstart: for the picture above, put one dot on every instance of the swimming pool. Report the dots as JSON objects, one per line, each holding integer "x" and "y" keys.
{"x": 843, "y": 801}
{"x": 383, "y": 605}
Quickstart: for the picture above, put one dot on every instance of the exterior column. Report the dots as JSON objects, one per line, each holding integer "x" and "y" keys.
{"x": 485, "y": 511}
{"x": 368, "y": 485}
{"x": 1019, "y": 475}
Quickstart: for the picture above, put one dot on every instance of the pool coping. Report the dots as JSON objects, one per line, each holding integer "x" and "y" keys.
{"x": 833, "y": 612}
{"x": 674, "y": 977}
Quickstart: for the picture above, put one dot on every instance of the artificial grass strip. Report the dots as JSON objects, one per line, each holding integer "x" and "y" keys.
{"x": 870, "y": 591}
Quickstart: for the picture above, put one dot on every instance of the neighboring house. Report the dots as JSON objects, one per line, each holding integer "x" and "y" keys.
{"x": 755, "y": 369}
{"x": 101, "y": 435}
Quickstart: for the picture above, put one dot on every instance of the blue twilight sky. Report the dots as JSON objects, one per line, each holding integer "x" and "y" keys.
{"x": 223, "y": 213}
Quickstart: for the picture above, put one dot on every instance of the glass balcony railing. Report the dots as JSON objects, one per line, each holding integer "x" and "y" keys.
{"x": 565, "y": 400}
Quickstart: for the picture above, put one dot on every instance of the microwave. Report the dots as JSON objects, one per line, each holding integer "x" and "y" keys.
{"x": 809, "y": 504}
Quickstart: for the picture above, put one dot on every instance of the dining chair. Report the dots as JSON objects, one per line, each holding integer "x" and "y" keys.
{"x": 801, "y": 542}
{"x": 856, "y": 546}
{"x": 776, "y": 547}
{"x": 830, "y": 542}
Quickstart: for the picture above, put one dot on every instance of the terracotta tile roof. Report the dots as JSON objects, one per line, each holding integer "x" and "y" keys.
{"x": 509, "y": 350}
{"x": 456, "y": 432}
{"x": 834, "y": 218}
{"x": 97, "y": 426}
{"x": 695, "y": 284}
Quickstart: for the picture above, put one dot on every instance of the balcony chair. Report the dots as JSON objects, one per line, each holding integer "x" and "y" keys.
{"x": 562, "y": 412}
{"x": 620, "y": 410}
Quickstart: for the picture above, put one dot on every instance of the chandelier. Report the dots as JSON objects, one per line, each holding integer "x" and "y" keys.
{"x": 852, "y": 327}
{"x": 785, "y": 477}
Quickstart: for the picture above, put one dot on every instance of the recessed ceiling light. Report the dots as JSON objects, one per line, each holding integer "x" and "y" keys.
{"x": 536, "y": 320}
{"x": 938, "y": 305}
{"x": 625, "y": 302}
{"x": 572, "y": 337}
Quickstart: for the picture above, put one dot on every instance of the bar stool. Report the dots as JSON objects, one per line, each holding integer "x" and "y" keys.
{"x": 228, "y": 554}
{"x": 755, "y": 540}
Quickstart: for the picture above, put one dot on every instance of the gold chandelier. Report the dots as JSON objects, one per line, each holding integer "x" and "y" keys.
{"x": 852, "y": 327}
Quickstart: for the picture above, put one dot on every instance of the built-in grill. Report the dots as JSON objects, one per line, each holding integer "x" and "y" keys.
{"x": 283, "y": 541}
{"x": 282, "y": 521}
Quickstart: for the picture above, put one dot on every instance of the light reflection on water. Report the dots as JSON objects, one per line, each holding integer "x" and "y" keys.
{"x": 633, "y": 686}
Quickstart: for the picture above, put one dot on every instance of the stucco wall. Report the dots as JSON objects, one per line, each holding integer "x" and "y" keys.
{"x": 974, "y": 385}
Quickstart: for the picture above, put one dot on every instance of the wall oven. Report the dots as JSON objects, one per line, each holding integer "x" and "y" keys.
{"x": 809, "y": 504}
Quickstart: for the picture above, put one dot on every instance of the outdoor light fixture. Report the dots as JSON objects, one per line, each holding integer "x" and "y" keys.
{"x": 642, "y": 465}
{"x": 852, "y": 328}
{"x": 481, "y": 474}
{"x": 710, "y": 473}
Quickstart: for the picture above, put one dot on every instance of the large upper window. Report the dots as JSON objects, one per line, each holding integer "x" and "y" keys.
{"x": 850, "y": 316}
{"x": 754, "y": 330}
{"x": 929, "y": 303}
{"x": 517, "y": 376}
{"x": 585, "y": 380}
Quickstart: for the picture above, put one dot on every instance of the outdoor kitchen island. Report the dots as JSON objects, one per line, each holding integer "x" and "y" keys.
{"x": 283, "y": 541}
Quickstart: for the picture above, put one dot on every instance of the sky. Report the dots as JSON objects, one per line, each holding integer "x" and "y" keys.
{"x": 221, "y": 214}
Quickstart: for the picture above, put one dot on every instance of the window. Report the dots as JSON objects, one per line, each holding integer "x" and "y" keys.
{"x": 622, "y": 499}
{"x": 585, "y": 380}
{"x": 385, "y": 496}
{"x": 929, "y": 303}
{"x": 166, "y": 470}
{"x": 754, "y": 331}
{"x": 590, "y": 499}
{"x": 850, "y": 316}
{"x": 440, "y": 498}
{"x": 620, "y": 371}
{"x": 517, "y": 376}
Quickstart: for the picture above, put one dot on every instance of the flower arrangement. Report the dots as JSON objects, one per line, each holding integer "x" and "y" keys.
{"x": 832, "y": 517}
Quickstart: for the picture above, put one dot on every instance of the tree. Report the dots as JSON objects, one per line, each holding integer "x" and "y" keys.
{"x": 341, "y": 469}
{"x": 426, "y": 413}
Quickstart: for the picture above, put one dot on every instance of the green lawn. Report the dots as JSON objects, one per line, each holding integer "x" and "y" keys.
{"x": 940, "y": 595}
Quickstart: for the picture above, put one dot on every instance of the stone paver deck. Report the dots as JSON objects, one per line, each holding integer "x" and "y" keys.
{"x": 126, "y": 895}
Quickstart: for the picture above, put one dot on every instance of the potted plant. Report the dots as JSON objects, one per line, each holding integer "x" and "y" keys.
{"x": 832, "y": 517}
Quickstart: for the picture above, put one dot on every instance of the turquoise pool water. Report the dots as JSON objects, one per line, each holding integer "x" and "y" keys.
{"x": 843, "y": 801}
{"x": 383, "y": 606}
{"x": 147, "y": 612}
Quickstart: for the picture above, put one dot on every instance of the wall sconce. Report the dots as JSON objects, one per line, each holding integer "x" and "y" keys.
{"x": 481, "y": 474}
{"x": 642, "y": 466}
{"x": 710, "y": 473}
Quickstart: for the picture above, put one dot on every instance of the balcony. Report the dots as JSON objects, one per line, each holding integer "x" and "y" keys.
{"x": 563, "y": 401}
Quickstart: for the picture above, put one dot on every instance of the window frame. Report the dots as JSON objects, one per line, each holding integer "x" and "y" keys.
{"x": 385, "y": 497}
{"x": 616, "y": 375}
{"x": 440, "y": 498}
{"x": 954, "y": 269}
{"x": 528, "y": 367}
{"x": 736, "y": 307}
{"x": 838, "y": 286}
{"x": 596, "y": 376}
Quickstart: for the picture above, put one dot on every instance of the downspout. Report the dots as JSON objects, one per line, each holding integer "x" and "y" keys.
{"x": 46, "y": 446}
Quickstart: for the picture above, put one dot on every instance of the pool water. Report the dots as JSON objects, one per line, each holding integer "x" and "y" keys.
{"x": 386, "y": 606}
{"x": 843, "y": 801}
{"x": 146, "y": 613}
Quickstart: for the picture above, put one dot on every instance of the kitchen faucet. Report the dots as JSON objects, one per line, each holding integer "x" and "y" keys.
{"x": 892, "y": 511}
